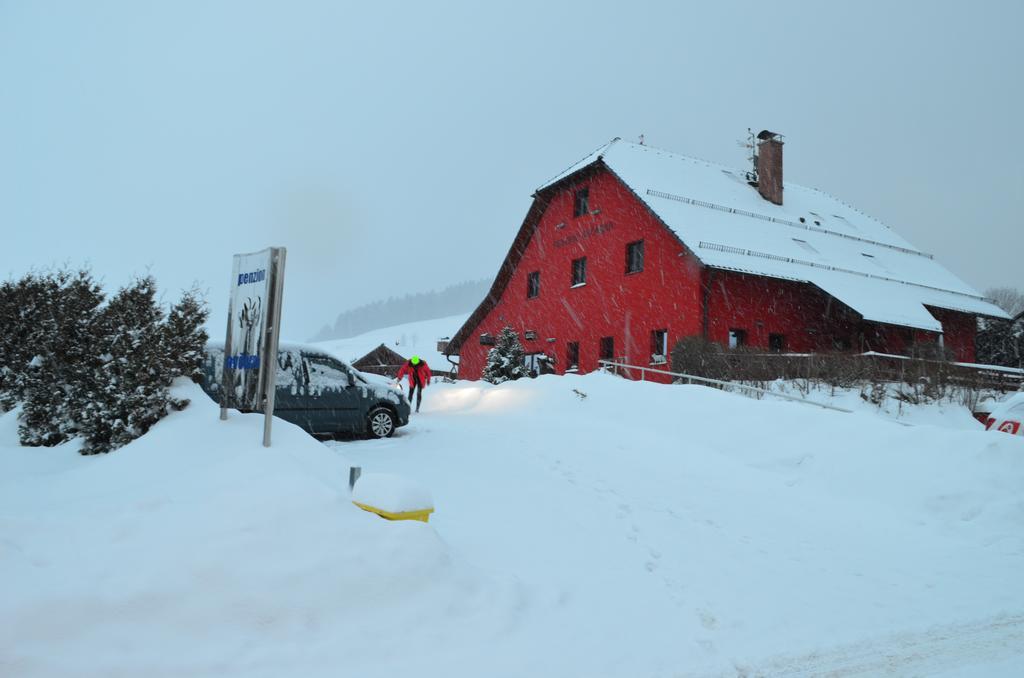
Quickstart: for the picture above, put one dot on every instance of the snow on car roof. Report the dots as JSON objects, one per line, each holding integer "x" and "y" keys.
{"x": 812, "y": 237}
{"x": 296, "y": 346}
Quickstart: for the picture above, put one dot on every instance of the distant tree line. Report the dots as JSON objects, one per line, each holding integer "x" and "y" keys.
{"x": 82, "y": 365}
{"x": 459, "y": 298}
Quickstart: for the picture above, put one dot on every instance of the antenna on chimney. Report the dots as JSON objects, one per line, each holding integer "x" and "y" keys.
{"x": 751, "y": 145}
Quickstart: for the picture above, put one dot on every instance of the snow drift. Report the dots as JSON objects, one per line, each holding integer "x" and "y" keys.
{"x": 585, "y": 526}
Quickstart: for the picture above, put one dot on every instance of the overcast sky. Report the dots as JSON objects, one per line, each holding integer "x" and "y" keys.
{"x": 393, "y": 147}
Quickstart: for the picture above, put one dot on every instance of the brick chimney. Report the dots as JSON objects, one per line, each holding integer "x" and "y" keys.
{"x": 769, "y": 166}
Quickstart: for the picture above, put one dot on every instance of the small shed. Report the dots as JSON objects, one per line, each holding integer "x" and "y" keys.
{"x": 381, "y": 360}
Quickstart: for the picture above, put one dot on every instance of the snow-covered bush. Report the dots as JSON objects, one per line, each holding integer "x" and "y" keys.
{"x": 700, "y": 357}
{"x": 81, "y": 368}
{"x": 505, "y": 362}
{"x": 1001, "y": 342}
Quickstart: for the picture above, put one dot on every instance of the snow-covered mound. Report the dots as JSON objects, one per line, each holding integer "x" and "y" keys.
{"x": 391, "y": 493}
{"x": 194, "y": 551}
{"x": 584, "y": 526}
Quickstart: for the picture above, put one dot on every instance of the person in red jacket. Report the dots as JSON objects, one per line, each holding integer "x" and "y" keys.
{"x": 419, "y": 376}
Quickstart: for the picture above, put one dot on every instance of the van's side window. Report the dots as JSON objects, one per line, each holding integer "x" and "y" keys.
{"x": 326, "y": 374}
{"x": 292, "y": 375}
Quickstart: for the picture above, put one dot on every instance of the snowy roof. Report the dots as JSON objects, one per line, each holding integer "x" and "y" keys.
{"x": 812, "y": 237}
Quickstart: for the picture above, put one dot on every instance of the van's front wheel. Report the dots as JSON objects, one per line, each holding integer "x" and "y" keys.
{"x": 381, "y": 423}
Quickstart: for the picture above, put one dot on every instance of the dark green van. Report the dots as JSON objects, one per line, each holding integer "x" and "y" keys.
{"x": 322, "y": 394}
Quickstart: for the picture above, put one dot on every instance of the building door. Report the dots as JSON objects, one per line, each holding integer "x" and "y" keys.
{"x": 534, "y": 363}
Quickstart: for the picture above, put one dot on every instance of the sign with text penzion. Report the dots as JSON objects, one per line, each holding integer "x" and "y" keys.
{"x": 251, "y": 340}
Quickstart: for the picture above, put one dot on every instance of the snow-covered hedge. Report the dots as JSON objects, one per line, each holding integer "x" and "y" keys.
{"x": 80, "y": 365}
{"x": 1001, "y": 342}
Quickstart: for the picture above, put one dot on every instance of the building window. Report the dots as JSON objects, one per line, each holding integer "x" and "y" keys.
{"x": 659, "y": 346}
{"x": 737, "y": 338}
{"x": 635, "y": 257}
{"x": 607, "y": 348}
{"x": 487, "y": 339}
{"x": 579, "y": 271}
{"x": 572, "y": 355}
{"x": 777, "y": 343}
{"x": 581, "y": 205}
{"x": 533, "y": 285}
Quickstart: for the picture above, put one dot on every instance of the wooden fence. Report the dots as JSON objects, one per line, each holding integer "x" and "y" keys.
{"x": 849, "y": 369}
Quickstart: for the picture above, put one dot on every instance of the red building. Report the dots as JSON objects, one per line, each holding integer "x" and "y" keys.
{"x": 633, "y": 248}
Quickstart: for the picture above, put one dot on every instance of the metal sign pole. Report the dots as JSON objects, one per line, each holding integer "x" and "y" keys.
{"x": 224, "y": 393}
{"x": 278, "y": 255}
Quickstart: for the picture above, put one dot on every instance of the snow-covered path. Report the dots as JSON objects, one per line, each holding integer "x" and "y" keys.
{"x": 697, "y": 529}
{"x": 991, "y": 647}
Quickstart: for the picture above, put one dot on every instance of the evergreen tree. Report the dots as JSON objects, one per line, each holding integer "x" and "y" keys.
{"x": 185, "y": 337}
{"x": 129, "y": 389}
{"x": 57, "y": 329}
{"x": 100, "y": 372}
{"x": 505, "y": 361}
{"x": 23, "y": 305}
{"x": 142, "y": 355}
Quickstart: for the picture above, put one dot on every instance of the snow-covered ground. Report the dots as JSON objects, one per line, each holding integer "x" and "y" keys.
{"x": 947, "y": 413}
{"x": 584, "y": 526}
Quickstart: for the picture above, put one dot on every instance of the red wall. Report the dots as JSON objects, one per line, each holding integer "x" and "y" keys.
{"x": 812, "y": 321}
{"x": 611, "y": 303}
{"x": 667, "y": 294}
{"x": 960, "y": 331}
{"x": 808, "y": 319}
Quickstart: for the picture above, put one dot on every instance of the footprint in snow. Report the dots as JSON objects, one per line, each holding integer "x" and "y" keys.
{"x": 707, "y": 620}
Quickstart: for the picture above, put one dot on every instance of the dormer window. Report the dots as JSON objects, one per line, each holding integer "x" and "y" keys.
{"x": 875, "y": 261}
{"x": 581, "y": 204}
{"x": 805, "y": 245}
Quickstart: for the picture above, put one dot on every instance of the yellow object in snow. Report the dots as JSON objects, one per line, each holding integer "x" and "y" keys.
{"x": 422, "y": 515}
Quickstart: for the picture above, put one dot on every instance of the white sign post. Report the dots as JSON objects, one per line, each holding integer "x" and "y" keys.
{"x": 250, "y": 347}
